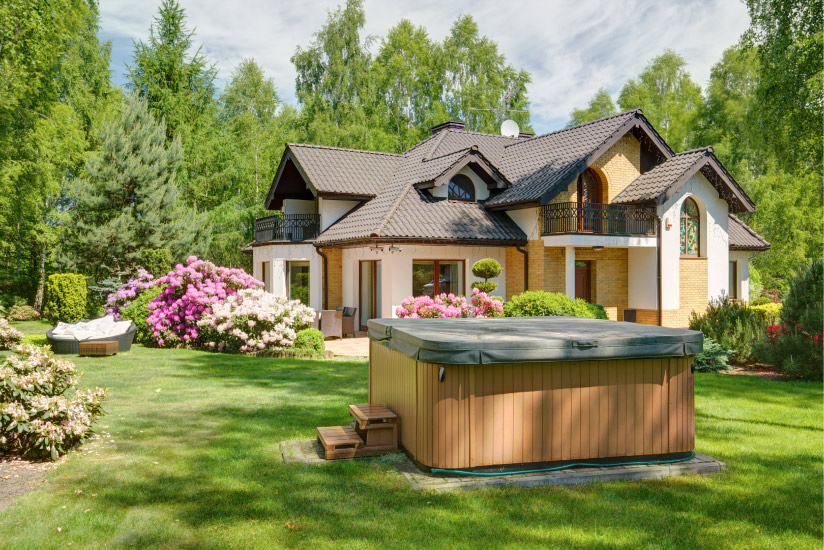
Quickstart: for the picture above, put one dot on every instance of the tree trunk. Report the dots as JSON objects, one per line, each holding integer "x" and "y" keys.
{"x": 41, "y": 280}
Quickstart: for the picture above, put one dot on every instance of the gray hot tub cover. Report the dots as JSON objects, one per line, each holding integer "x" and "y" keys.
{"x": 530, "y": 339}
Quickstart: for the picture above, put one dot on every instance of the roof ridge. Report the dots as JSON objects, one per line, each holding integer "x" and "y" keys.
{"x": 455, "y": 152}
{"x": 420, "y": 143}
{"x": 707, "y": 149}
{"x": 314, "y": 146}
{"x": 555, "y": 132}
{"x": 476, "y": 133}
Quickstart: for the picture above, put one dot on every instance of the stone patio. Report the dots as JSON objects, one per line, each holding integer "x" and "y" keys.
{"x": 350, "y": 347}
{"x": 309, "y": 451}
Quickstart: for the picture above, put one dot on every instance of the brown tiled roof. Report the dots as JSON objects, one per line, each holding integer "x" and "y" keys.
{"x": 743, "y": 237}
{"x": 345, "y": 171}
{"x": 650, "y": 185}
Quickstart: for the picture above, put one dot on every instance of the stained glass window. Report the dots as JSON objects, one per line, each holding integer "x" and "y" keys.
{"x": 461, "y": 188}
{"x": 689, "y": 228}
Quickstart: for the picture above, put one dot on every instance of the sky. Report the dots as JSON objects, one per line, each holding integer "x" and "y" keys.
{"x": 571, "y": 48}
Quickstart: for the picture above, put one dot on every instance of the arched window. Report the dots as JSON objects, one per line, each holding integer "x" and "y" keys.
{"x": 461, "y": 188}
{"x": 690, "y": 228}
{"x": 589, "y": 187}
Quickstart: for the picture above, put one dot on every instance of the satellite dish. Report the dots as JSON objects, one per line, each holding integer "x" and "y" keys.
{"x": 509, "y": 128}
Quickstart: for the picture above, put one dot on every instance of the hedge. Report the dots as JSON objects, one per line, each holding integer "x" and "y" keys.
{"x": 537, "y": 303}
{"x": 67, "y": 296}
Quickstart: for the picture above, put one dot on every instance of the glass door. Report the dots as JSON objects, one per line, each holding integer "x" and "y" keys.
{"x": 370, "y": 291}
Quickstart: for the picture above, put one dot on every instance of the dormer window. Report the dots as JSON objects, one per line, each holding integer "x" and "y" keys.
{"x": 461, "y": 188}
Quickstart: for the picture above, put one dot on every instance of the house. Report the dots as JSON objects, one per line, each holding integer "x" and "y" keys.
{"x": 604, "y": 211}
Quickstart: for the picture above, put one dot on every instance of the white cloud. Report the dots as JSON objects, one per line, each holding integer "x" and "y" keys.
{"x": 571, "y": 49}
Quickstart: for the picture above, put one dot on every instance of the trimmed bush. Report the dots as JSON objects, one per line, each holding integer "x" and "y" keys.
{"x": 138, "y": 312}
{"x": 733, "y": 325}
{"x": 66, "y": 297}
{"x": 22, "y": 313}
{"x": 713, "y": 358}
{"x": 157, "y": 261}
{"x": 486, "y": 269}
{"x": 537, "y": 303}
{"x": 310, "y": 339}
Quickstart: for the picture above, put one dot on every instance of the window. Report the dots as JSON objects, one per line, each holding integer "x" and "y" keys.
{"x": 733, "y": 291}
{"x": 690, "y": 228}
{"x": 298, "y": 276}
{"x": 264, "y": 276}
{"x": 589, "y": 187}
{"x": 433, "y": 277}
{"x": 461, "y": 188}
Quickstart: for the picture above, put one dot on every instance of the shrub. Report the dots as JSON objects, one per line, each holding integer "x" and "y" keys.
{"x": 10, "y": 300}
{"x": 794, "y": 345}
{"x": 66, "y": 297}
{"x": 486, "y": 269}
{"x": 253, "y": 320}
{"x": 138, "y": 313}
{"x": 537, "y": 303}
{"x": 118, "y": 301}
{"x": 9, "y": 336}
{"x": 486, "y": 306}
{"x": 310, "y": 339}
{"x": 190, "y": 293}
{"x": 771, "y": 311}
{"x": 761, "y": 301}
{"x": 733, "y": 325}
{"x": 713, "y": 358}
{"x": 99, "y": 293}
{"x": 441, "y": 306}
{"x": 22, "y": 313}
{"x": 36, "y": 417}
{"x": 157, "y": 261}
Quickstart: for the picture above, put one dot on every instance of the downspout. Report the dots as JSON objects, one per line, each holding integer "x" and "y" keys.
{"x": 324, "y": 282}
{"x": 526, "y": 266}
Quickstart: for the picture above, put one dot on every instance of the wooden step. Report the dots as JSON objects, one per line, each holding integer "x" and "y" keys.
{"x": 372, "y": 414}
{"x": 339, "y": 441}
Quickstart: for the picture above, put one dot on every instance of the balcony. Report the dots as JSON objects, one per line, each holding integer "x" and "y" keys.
{"x": 597, "y": 219}
{"x": 287, "y": 227}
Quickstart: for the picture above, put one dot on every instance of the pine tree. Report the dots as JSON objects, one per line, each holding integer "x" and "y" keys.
{"x": 128, "y": 199}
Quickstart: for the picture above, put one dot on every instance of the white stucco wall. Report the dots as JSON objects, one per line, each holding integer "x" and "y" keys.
{"x": 396, "y": 270}
{"x": 642, "y": 275}
{"x": 331, "y": 210}
{"x": 481, "y": 190}
{"x": 714, "y": 242}
{"x": 277, "y": 255}
{"x": 528, "y": 220}
{"x": 294, "y": 206}
{"x": 742, "y": 259}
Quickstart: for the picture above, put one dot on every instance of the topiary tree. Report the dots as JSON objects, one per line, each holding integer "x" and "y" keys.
{"x": 67, "y": 297}
{"x": 488, "y": 268}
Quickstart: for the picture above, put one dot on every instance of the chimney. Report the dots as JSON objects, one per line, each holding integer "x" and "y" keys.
{"x": 451, "y": 125}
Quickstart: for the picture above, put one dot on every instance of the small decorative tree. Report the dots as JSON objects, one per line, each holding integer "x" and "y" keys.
{"x": 488, "y": 268}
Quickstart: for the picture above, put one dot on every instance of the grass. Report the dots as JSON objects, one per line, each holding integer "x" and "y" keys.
{"x": 189, "y": 459}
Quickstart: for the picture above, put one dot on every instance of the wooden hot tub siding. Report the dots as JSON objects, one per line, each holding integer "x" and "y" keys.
{"x": 483, "y": 415}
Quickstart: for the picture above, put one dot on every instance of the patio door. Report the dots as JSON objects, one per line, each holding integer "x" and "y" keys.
{"x": 370, "y": 291}
{"x": 583, "y": 278}
{"x": 589, "y": 193}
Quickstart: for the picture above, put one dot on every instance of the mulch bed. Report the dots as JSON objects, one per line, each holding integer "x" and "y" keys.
{"x": 758, "y": 370}
{"x": 19, "y": 476}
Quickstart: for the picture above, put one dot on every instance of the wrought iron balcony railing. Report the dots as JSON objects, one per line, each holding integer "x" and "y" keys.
{"x": 598, "y": 219}
{"x": 287, "y": 227}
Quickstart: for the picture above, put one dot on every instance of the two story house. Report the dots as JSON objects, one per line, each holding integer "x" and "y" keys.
{"x": 603, "y": 211}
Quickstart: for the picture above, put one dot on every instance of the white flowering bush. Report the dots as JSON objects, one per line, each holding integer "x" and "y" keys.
{"x": 254, "y": 320}
{"x": 9, "y": 336}
{"x": 37, "y": 416}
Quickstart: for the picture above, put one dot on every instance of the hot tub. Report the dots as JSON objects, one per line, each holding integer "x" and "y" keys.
{"x": 473, "y": 393}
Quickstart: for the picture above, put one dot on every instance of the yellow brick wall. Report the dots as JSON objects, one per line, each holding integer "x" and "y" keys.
{"x": 692, "y": 294}
{"x": 554, "y": 270}
{"x": 618, "y": 167}
{"x": 610, "y": 284}
{"x": 334, "y": 274}
{"x": 535, "y": 249}
{"x": 514, "y": 272}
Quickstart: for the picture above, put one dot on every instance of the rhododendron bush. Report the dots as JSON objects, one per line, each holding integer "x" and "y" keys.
{"x": 191, "y": 292}
{"x": 36, "y": 415}
{"x": 117, "y": 302}
{"x": 254, "y": 320}
{"x": 449, "y": 306}
{"x": 9, "y": 336}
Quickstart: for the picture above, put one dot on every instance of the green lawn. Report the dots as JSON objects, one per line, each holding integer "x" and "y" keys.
{"x": 192, "y": 462}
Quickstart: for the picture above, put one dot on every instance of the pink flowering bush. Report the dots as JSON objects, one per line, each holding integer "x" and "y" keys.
{"x": 36, "y": 416}
{"x": 191, "y": 292}
{"x": 254, "y": 320}
{"x": 426, "y": 307}
{"x": 486, "y": 306}
{"x": 9, "y": 336}
{"x": 117, "y": 302}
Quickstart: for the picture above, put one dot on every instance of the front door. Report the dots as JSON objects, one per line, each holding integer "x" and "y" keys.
{"x": 583, "y": 274}
{"x": 370, "y": 291}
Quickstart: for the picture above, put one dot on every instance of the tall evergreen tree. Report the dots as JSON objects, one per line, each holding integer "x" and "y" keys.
{"x": 128, "y": 199}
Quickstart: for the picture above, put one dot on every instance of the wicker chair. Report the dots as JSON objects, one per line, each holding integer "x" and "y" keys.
{"x": 68, "y": 345}
{"x": 331, "y": 323}
{"x": 349, "y": 314}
